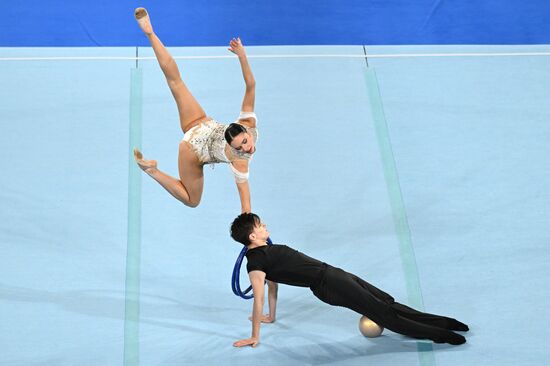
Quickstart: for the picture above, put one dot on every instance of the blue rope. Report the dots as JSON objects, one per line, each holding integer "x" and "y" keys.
{"x": 235, "y": 278}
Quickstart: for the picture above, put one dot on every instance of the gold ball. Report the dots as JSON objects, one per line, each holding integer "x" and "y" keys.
{"x": 368, "y": 328}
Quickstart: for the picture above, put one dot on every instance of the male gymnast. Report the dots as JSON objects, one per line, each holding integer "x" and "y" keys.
{"x": 282, "y": 264}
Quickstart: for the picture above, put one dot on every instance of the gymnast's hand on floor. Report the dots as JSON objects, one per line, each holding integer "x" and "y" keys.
{"x": 247, "y": 342}
{"x": 148, "y": 166}
{"x": 265, "y": 319}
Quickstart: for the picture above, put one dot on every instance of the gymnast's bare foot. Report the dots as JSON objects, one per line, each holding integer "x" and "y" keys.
{"x": 143, "y": 20}
{"x": 148, "y": 166}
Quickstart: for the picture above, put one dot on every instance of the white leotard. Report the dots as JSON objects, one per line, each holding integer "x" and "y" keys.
{"x": 208, "y": 142}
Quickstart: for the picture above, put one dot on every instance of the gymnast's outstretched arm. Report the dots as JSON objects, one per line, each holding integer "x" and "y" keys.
{"x": 272, "y": 288}
{"x": 236, "y": 46}
{"x": 241, "y": 166}
{"x": 257, "y": 279}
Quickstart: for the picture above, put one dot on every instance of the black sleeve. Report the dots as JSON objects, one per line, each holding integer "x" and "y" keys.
{"x": 254, "y": 267}
{"x": 254, "y": 263}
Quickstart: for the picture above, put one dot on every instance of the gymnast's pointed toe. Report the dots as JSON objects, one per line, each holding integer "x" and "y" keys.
{"x": 140, "y": 13}
{"x": 456, "y": 339}
{"x": 461, "y": 327}
{"x": 143, "y": 20}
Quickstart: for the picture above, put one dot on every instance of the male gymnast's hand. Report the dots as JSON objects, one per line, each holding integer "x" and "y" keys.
{"x": 264, "y": 319}
{"x": 247, "y": 342}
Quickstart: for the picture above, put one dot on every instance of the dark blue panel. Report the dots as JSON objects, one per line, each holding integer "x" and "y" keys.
{"x": 260, "y": 22}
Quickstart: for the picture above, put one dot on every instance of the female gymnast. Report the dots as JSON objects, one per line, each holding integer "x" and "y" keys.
{"x": 205, "y": 141}
{"x": 282, "y": 264}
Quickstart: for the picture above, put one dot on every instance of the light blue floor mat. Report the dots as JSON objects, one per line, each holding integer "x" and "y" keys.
{"x": 468, "y": 137}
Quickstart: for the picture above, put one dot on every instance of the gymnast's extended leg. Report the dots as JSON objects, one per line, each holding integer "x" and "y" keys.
{"x": 341, "y": 288}
{"x": 188, "y": 189}
{"x": 410, "y": 313}
{"x": 190, "y": 111}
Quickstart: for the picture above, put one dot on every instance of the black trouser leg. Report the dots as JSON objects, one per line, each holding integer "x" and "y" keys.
{"x": 341, "y": 288}
{"x": 430, "y": 319}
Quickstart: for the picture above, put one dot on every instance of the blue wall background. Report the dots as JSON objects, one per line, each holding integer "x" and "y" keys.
{"x": 282, "y": 22}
